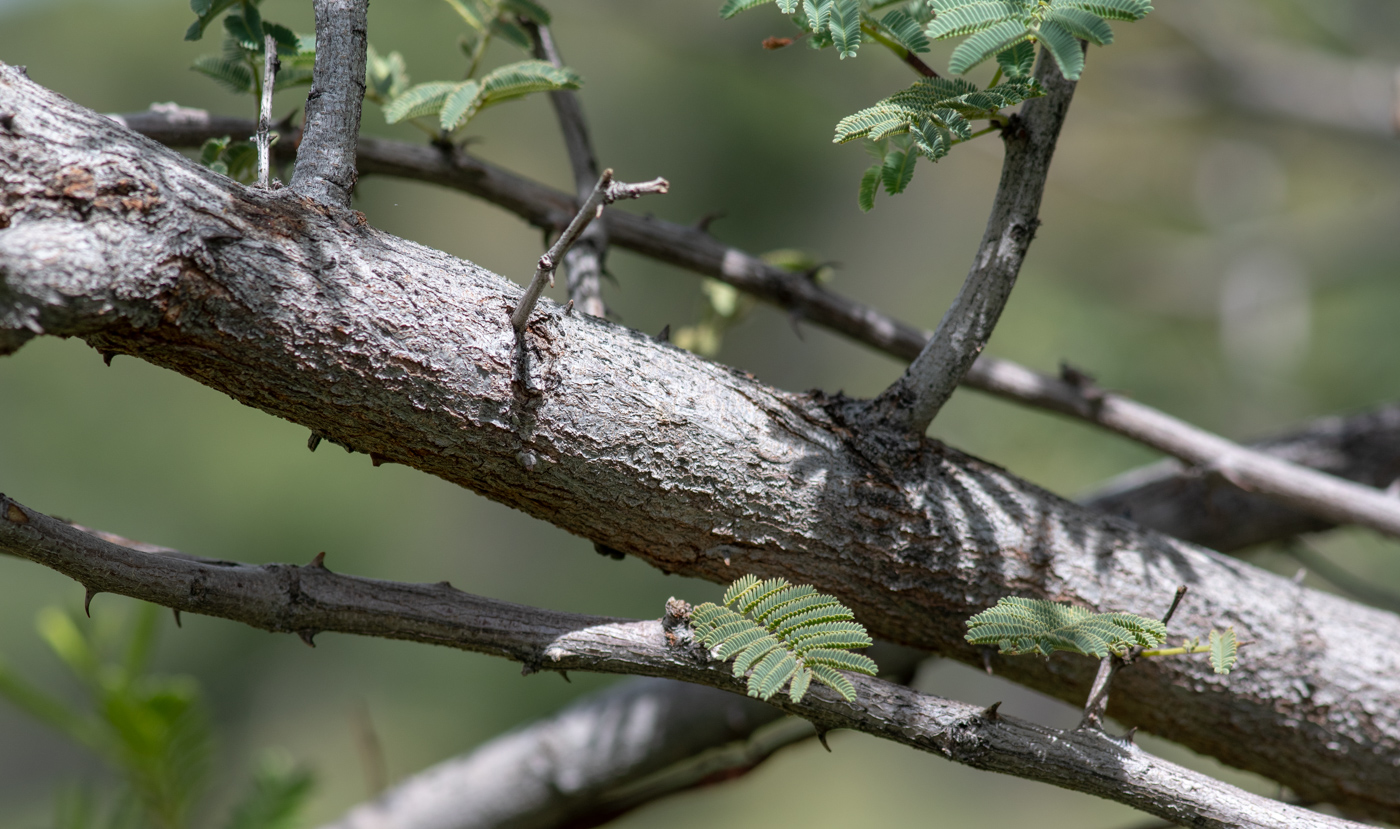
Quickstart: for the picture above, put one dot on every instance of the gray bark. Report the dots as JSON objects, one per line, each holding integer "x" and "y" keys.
{"x": 1205, "y": 508}
{"x": 325, "y": 168}
{"x": 916, "y": 398}
{"x": 394, "y": 349}
{"x": 311, "y": 599}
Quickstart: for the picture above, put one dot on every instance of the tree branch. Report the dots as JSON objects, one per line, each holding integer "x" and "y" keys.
{"x": 325, "y": 169}
{"x": 583, "y": 265}
{"x": 407, "y": 353}
{"x": 915, "y": 399}
{"x": 310, "y": 599}
{"x": 1205, "y": 508}
{"x": 269, "y": 80}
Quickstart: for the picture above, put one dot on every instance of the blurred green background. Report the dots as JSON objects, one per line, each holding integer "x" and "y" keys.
{"x": 1234, "y": 268}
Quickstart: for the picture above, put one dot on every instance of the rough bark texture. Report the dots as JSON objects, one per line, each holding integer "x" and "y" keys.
{"x": 1206, "y": 508}
{"x": 302, "y": 310}
{"x": 311, "y": 599}
{"x": 325, "y": 168}
{"x": 1030, "y": 138}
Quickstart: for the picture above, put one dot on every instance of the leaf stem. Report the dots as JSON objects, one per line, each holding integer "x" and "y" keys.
{"x": 900, "y": 52}
{"x": 1176, "y": 651}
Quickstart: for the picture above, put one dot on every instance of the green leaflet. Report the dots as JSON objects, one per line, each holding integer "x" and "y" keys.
{"x": 782, "y": 634}
{"x": 1016, "y": 63}
{"x": 733, "y": 7}
{"x": 386, "y": 77}
{"x": 1222, "y": 650}
{"x": 905, "y": 30}
{"x": 934, "y": 111}
{"x": 276, "y": 799}
{"x": 898, "y": 169}
{"x": 993, "y": 27}
{"x": 527, "y": 9}
{"x": 1020, "y": 625}
{"x": 456, "y": 102}
{"x": 845, "y": 27}
{"x": 419, "y": 101}
{"x": 459, "y": 106}
{"x": 517, "y": 79}
{"x": 230, "y": 74}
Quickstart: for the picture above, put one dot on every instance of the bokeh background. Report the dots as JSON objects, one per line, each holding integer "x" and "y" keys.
{"x": 1232, "y": 263}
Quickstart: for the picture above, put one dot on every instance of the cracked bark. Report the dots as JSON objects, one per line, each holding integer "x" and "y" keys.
{"x": 325, "y": 169}
{"x": 311, "y": 599}
{"x": 303, "y": 311}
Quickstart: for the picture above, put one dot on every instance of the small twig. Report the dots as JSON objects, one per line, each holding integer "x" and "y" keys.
{"x": 604, "y": 193}
{"x": 270, "y": 67}
{"x": 1109, "y": 667}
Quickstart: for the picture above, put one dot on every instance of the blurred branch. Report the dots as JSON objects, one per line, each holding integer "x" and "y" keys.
{"x": 1290, "y": 80}
{"x": 311, "y": 599}
{"x": 1205, "y": 508}
{"x": 1298, "y": 488}
{"x": 1341, "y": 578}
{"x": 912, "y": 402}
{"x": 583, "y": 265}
{"x": 325, "y": 169}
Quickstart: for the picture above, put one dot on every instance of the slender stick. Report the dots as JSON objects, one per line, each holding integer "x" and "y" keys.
{"x": 1109, "y": 667}
{"x": 269, "y": 79}
{"x": 604, "y": 193}
{"x": 311, "y": 599}
{"x": 1299, "y": 487}
{"x": 583, "y": 264}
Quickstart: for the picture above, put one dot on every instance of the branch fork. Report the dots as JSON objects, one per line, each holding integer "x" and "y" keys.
{"x": 605, "y": 192}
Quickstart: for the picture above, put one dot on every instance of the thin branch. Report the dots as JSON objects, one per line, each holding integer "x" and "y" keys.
{"x": 604, "y": 193}
{"x": 1109, "y": 666}
{"x": 269, "y": 79}
{"x": 914, "y": 400}
{"x": 583, "y": 264}
{"x": 325, "y": 169}
{"x": 311, "y": 599}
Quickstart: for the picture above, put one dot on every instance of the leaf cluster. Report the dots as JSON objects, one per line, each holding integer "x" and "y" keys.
{"x": 449, "y": 105}
{"x": 993, "y": 26}
{"x": 152, "y": 730}
{"x": 1020, "y": 625}
{"x": 782, "y": 634}
{"x": 236, "y": 159}
{"x": 240, "y": 68}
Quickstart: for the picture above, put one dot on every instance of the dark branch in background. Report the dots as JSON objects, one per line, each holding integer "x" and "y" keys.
{"x": 325, "y": 169}
{"x": 583, "y": 265}
{"x": 695, "y": 250}
{"x": 310, "y": 599}
{"x": 1202, "y": 506}
{"x": 915, "y": 399}
{"x": 613, "y": 751}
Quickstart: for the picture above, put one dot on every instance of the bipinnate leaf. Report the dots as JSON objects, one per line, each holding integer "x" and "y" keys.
{"x": 1064, "y": 47}
{"x": 934, "y": 111}
{"x": 205, "y": 13}
{"x": 459, "y": 106}
{"x": 781, "y": 634}
{"x": 994, "y": 27}
{"x": 1018, "y": 61}
{"x": 1222, "y": 650}
{"x": 1019, "y": 625}
{"x": 231, "y": 74}
{"x": 420, "y": 101}
{"x": 516, "y": 79}
{"x": 845, "y": 27}
{"x": 906, "y": 30}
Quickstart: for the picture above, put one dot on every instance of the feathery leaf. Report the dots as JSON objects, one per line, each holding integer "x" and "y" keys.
{"x": 733, "y": 7}
{"x": 1064, "y": 47}
{"x": 420, "y": 101}
{"x": 460, "y": 106}
{"x": 898, "y": 169}
{"x": 1018, "y": 61}
{"x": 1020, "y": 625}
{"x": 845, "y": 27}
{"x": 906, "y": 30}
{"x": 869, "y": 184}
{"x": 231, "y": 74}
{"x": 1222, "y": 650}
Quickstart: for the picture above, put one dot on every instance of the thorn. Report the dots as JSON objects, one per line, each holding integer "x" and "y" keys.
{"x": 87, "y": 601}
{"x": 308, "y": 636}
{"x": 990, "y": 712}
{"x": 569, "y": 309}
{"x": 176, "y": 611}
{"x": 378, "y": 459}
{"x": 319, "y": 561}
{"x": 665, "y": 335}
{"x": 313, "y": 441}
{"x": 605, "y": 550}
{"x": 528, "y": 668}
{"x": 446, "y": 585}
{"x": 565, "y": 674}
{"x": 821, "y": 738}
{"x": 703, "y": 223}
{"x": 1130, "y": 734}
{"x": 13, "y": 513}
{"x": 1176, "y": 602}
{"x": 107, "y": 356}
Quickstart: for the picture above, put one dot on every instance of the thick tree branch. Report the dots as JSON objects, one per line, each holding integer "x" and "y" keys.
{"x": 695, "y": 250}
{"x": 915, "y": 399}
{"x": 311, "y": 599}
{"x": 325, "y": 169}
{"x": 583, "y": 265}
{"x": 407, "y": 353}
{"x": 1202, "y": 506}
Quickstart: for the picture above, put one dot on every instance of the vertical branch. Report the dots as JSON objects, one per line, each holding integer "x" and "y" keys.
{"x": 325, "y": 169}
{"x": 270, "y": 67}
{"x": 913, "y": 401}
{"x": 583, "y": 264}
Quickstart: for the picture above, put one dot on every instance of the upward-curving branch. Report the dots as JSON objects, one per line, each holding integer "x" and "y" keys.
{"x": 325, "y": 169}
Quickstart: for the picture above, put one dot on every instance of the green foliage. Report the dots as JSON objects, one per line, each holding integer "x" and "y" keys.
{"x": 150, "y": 729}
{"x": 781, "y": 634}
{"x": 240, "y": 68}
{"x": 279, "y": 790}
{"x": 1021, "y": 625}
{"x": 386, "y": 77}
{"x": 237, "y": 160}
{"x": 995, "y": 26}
{"x": 905, "y": 30}
{"x": 1222, "y": 650}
